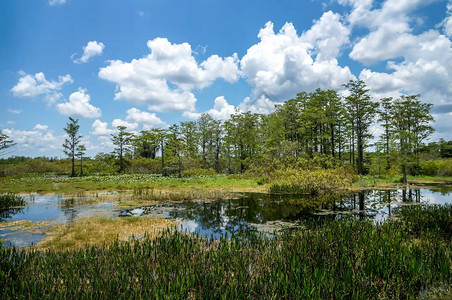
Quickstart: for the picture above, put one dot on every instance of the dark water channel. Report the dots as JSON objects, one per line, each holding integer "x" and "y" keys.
{"x": 215, "y": 218}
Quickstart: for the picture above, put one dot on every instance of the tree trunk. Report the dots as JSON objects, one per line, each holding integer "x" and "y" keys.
{"x": 163, "y": 159}
{"x": 73, "y": 165}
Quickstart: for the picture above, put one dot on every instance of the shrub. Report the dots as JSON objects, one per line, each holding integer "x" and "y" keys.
{"x": 309, "y": 182}
{"x": 436, "y": 167}
{"x": 198, "y": 172}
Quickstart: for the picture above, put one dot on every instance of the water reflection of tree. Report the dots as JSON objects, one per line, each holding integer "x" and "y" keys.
{"x": 239, "y": 214}
{"x": 9, "y": 213}
{"x": 68, "y": 207}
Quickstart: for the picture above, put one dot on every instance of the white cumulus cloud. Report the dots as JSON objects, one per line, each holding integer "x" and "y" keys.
{"x": 39, "y": 140}
{"x": 119, "y": 122}
{"x": 30, "y": 86}
{"x": 164, "y": 79}
{"x": 283, "y": 64}
{"x": 147, "y": 119}
{"x": 79, "y": 105}
{"x": 91, "y": 49}
{"x": 101, "y": 128}
{"x": 221, "y": 110}
{"x": 41, "y": 127}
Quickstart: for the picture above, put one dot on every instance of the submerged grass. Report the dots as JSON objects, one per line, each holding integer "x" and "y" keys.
{"x": 11, "y": 200}
{"x": 349, "y": 259}
{"x": 101, "y": 230}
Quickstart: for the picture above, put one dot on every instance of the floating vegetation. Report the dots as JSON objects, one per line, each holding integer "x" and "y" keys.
{"x": 325, "y": 260}
{"x": 11, "y": 200}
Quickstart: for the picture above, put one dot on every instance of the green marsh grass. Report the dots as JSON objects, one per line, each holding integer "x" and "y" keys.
{"x": 339, "y": 259}
{"x": 144, "y": 194}
{"x": 11, "y": 200}
{"x": 74, "y": 185}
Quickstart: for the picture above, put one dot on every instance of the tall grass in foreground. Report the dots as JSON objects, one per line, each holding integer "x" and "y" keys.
{"x": 348, "y": 259}
{"x": 11, "y": 200}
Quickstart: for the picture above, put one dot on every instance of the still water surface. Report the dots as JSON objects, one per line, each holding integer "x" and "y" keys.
{"x": 215, "y": 218}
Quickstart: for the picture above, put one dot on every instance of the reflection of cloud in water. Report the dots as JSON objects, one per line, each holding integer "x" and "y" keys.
{"x": 435, "y": 198}
{"x": 188, "y": 226}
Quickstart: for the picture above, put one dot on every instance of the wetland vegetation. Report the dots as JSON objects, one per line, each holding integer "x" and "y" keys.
{"x": 329, "y": 259}
{"x": 298, "y": 203}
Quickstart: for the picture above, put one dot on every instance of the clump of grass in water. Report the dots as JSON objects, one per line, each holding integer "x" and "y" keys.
{"x": 333, "y": 260}
{"x": 158, "y": 195}
{"x": 11, "y": 200}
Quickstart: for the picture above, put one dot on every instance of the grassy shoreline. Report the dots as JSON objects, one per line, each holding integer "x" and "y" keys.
{"x": 234, "y": 183}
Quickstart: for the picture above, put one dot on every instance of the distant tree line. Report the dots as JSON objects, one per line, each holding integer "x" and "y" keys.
{"x": 319, "y": 123}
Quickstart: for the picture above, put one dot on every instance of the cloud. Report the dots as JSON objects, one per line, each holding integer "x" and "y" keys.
{"x": 38, "y": 140}
{"x": 283, "y": 64}
{"x": 417, "y": 63}
{"x": 446, "y": 24}
{"x": 148, "y": 120}
{"x": 260, "y": 105}
{"x": 79, "y": 105}
{"x": 221, "y": 110}
{"x": 57, "y": 2}
{"x": 14, "y": 111}
{"x": 119, "y": 122}
{"x": 101, "y": 128}
{"x": 91, "y": 49}
{"x": 41, "y": 127}
{"x": 327, "y": 36}
{"x": 30, "y": 86}
{"x": 164, "y": 79}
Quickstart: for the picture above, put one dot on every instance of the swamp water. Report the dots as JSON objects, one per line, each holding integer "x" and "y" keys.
{"x": 215, "y": 218}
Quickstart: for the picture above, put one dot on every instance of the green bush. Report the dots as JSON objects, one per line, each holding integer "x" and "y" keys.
{"x": 198, "y": 172}
{"x": 436, "y": 167}
{"x": 144, "y": 166}
{"x": 309, "y": 182}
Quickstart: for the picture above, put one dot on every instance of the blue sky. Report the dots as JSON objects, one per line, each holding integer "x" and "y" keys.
{"x": 148, "y": 64}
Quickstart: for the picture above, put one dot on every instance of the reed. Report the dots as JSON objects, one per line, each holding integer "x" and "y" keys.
{"x": 11, "y": 200}
{"x": 349, "y": 259}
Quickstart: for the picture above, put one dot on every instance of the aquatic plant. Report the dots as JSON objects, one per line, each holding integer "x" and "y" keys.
{"x": 11, "y": 200}
{"x": 331, "y": 259}
{"x": 433, "y": 220}
{"x": 145, "y": 194}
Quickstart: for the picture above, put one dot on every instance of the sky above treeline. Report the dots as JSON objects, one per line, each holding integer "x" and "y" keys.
{"x": 152, "y": 63}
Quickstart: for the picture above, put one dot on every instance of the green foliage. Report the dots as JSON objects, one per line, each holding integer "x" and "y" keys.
{"x": 309, "y": 182}
{"x": 143, "y": 165}
{"x": 122, "y": 140}
{"x": 198, "y": 172}
{"x": 432, "y": 220}
{"x": 11, "y": 200}
{"x": 72, "y": 141}
{"x": 5, "y": 143}
{"x": 348, "y": 259}
{"x": 436, "y": 167}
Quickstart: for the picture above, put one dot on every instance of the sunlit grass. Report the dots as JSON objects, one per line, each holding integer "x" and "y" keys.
{"x": 63, "y": 184}
{"x": 101, "y": 230}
